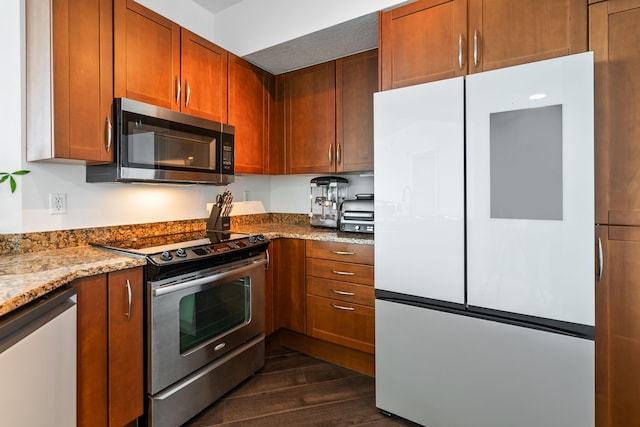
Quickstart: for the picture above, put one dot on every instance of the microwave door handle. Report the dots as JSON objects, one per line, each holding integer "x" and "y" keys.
{"x": 204, "y": 280}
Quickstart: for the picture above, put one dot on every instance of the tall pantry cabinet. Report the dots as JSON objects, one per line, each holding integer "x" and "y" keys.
{"x": 615, "y": 40}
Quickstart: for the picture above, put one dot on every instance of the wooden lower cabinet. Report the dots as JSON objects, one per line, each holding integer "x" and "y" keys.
{"x": 340, "y": 295}
{"x": 110, "y": 349}
{"x": 618, "y": 327}
{"x": 287, "y": 255}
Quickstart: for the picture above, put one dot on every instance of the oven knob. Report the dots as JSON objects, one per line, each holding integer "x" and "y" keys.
{"x": 252, "y": 239}
{"x": 166, "y": 256}
{"x": 260, "y": 237}
{"x": 181, "y": 253}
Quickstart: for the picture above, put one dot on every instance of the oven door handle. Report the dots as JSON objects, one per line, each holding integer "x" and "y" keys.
{"x": 207, "y": 279}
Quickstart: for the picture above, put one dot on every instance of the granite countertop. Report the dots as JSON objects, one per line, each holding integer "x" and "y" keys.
{"x": 26, "y": 277}
{"x": 274, "y": 230}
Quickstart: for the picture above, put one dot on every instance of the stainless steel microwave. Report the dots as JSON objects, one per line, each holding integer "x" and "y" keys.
{"x": 154, "y": 144}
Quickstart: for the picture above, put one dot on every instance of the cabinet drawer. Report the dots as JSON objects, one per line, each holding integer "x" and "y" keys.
{"x": 351, "y": 325}
{"x": 343, "y": 291}
{"x": 344, "y": 252}
{"x": 342, "y": 271}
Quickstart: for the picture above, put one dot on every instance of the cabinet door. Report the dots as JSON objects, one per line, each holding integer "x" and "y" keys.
{"x": 347, "y": 324}
{"x": 288, "y": 284}
{"x": 69, "y": 80}
{"x": 309, "y": 96}
{"x": 125, "y": 352}
{"x": 511, "y": 32}
{"x": 615, "y": 37}
{"x": 146, "y": 56}
{"x": 422, "y": 41}
{"x": 356, "y": 81}
{"x": 92, "y": 397}
{"x": 618, "y": 328}
{"x": 249, "y": 114}
{"x": 204, "y": 78}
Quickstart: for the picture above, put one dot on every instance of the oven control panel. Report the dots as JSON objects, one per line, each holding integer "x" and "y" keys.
{"x": 209, "y": 250}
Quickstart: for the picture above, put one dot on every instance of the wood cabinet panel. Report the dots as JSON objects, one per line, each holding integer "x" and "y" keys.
{"x": 69, "y": 80}
{"x": 309, "y": 113}
{"x": 92, "y": 398}
{"x": 615, "y": 38}
{"x": 342, "y": 291}
{"x": 421, "y": 42}
{"x": 356, "y": 82}
{"x": 618, "y": 328}
{"x": 339, "y": 251}
{"x": 351, "y": 325}
{"x": 110, "y": 349}
{"x": 204, "y": 77}
{"x": 289, "y": 284}
{"x": 511, "y": 32}
{"x": 250, "y": 99}
{"x": 125, "y": 351}
{"x": 146, "y": 55}
{"x": 334, "y": 270}
{"x": 432, "y": 40}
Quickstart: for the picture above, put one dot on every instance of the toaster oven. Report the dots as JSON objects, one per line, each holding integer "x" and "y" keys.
{"x": 357, "y": 215}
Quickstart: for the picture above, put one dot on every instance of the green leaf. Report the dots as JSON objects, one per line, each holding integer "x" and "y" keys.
{"x": 12, "y": 183}
{"x": 4, "y": 178}
{"x": 21, "y": 172}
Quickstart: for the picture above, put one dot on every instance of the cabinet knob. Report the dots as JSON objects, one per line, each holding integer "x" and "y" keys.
{"x": 109, "y": 128}
{"x": 188, "y": 90}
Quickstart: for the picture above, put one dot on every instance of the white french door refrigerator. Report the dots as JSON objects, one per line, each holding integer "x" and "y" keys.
{"x": 484, "y": 248}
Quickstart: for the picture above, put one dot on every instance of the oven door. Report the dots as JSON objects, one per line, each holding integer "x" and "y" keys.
{"x": 198, "y": 317}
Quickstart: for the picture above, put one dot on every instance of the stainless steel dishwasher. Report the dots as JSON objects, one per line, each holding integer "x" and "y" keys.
{"x": 38, "y": 362}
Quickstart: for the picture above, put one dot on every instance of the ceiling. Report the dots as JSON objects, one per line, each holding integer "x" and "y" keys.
{"x": 216, "y": 6}
{"x": 356, "y": 35}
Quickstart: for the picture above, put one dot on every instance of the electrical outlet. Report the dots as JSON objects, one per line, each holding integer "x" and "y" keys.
{"x": 57, "y": 203}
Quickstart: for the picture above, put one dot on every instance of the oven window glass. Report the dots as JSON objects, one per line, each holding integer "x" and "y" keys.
{"x": 207, "y": 314}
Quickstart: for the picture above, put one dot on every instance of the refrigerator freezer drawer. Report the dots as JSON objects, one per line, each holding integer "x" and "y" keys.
{"x": 446, "y": 370}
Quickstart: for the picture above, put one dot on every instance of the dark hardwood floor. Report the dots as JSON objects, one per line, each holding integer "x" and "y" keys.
{"x": 294, "y": 389}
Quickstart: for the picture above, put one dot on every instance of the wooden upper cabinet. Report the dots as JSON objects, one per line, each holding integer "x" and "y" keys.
{"x": 146, "y": 56}
{"x": 249, "y": 107}
{"x": 158, "y": 62}
{"x": 309, "y": 114}
{"x": 422, "y": 41}
{"x": 204, "y": 77}
{"x": 614, "y": 39}
{"x": 434, "y": 39}
{"x": 356, "y": 82}
{"x": 511, "y": 32}
{"x": 69, "y": 80}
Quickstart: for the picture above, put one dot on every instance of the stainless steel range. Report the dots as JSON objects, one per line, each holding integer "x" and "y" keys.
{"x": 204, "y": 317}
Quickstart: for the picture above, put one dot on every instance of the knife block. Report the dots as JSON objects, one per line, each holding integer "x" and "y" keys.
{"x": 216, "y": 222}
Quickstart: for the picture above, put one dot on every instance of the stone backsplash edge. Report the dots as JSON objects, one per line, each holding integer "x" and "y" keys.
{"x": 59, "y": 239}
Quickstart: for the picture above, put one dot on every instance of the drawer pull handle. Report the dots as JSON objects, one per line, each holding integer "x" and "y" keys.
{"x": 344, "y": 273}
{"x": 335, "y": 291}
{"x": 342, "y": 307}
{"x": 343, "y": 253}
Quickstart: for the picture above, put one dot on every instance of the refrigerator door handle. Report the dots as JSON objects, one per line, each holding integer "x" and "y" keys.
{"x": 600, "y": 259}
